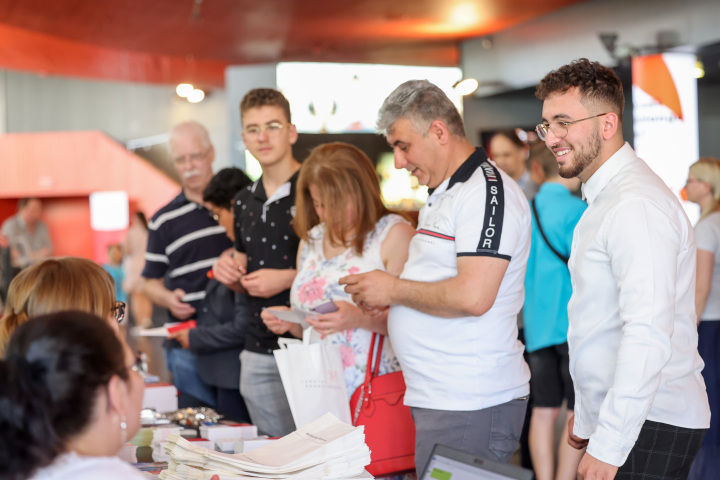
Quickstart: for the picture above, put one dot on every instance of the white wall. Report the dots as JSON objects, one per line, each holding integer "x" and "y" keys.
{"x": 125, "y": 111}
{"x": 521, "y": 56}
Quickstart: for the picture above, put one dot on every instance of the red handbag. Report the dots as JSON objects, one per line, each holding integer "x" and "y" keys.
{"x": 389, "y": 427}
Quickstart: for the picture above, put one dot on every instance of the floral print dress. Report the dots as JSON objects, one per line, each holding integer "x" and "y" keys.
{"x": 317, "y": 283}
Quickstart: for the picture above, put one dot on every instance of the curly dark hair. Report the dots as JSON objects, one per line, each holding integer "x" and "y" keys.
{"x": 596, "y": 83}
{"x": 224, "y": 185}
{"x": 261, "y": 97}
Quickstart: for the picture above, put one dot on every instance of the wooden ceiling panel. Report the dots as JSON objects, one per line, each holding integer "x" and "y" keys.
{"x": 189, "y": 33}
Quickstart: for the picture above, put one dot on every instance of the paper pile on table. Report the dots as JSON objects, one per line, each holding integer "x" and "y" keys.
{"x": 323, "y": 449}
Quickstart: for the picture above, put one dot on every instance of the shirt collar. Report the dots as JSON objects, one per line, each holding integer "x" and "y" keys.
{"x": 607, "y": 171}
{"x": 465, "y": 171}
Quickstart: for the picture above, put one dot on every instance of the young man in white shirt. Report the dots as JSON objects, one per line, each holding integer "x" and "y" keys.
{"x": 641, "y": 407}
{"x": 453, "y": 315}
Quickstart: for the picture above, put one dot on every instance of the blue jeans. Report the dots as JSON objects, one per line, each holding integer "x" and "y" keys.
{"x": 183, "y": 366}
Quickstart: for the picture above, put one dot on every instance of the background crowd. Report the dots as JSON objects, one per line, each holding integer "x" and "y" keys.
{"x": 472, "y": 295}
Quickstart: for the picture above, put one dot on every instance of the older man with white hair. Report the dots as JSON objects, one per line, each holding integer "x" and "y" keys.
{"x": 183, "y": 244}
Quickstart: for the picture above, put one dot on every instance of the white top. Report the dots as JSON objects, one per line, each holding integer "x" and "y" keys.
{"x": 466, "y": 363}
{"x": 632, "y": 336}
{"x": 707, "y": 237}
{"x": 76, "y": 467}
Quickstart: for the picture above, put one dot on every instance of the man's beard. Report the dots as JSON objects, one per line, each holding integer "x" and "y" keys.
{"x": 582, "y": 158}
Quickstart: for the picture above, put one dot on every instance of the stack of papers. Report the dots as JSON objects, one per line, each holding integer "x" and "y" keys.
{"x": 323, "y": 449}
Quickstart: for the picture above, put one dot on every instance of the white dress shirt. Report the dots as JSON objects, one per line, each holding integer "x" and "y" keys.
{"x": 632, "y": 335}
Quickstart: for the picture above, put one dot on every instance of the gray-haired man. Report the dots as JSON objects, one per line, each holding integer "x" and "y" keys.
{"x": 453, "y": 310}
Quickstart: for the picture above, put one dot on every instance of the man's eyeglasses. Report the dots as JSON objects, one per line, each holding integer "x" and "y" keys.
{"x": 271, "y": 128}
{"x": 559, "y": 128}
{"x": 190, "y": 157}
{"x": 118, "y": 311}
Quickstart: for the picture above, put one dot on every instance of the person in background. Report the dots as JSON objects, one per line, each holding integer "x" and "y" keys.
{"x": 510, "y": 153}
{"x": 115, "y": 268}
{"x": 56, "y": 284}
{"x": 452, "y": 318}
{"x": 184, "y": 241}
{"x": 640, "y": 403}
{"x": 222, "y": 316}
{"x": 134, "y": 247}
{"x": 547, "y": 292}
{"x": 703, "y": 188}
{"x": 263, "y": 264}
{"x": 27, "y": 234}
{"x": 71, "y": 398}
{"x": 344, "y": 228}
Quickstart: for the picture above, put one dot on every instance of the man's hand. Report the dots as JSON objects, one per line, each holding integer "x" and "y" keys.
{"x": 182, "y": 336}
{"x": 591, "y": 468}
{"x": 267, "y": 282}
{"x": 575, "y": 442}
{"x": 370, "y": 291}
{"x": 177, "y": 307}
{"x": 228, "y": 271}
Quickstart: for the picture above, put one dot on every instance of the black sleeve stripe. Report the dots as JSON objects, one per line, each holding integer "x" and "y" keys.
{"x": 494, "y": 211}
{"x": 485, "y": 254}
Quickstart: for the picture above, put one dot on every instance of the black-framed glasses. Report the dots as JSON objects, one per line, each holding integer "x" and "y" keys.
{"x": 559, "y": 128}
{"x": 118, "y": 311}
{"x": 271, "y": 128}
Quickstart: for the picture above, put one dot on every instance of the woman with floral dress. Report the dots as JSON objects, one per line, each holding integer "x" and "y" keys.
{"x": 344, "y": 228}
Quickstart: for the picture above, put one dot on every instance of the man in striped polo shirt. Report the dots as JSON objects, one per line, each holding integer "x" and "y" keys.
{"x": 183, "y": 243}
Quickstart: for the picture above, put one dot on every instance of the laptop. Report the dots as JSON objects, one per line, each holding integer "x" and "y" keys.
{"x": 449, "y": 464}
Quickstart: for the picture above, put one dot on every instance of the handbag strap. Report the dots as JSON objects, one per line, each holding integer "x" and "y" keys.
{"x": 547, "y": 242}
{"x": 370, "y": 372}
{"x": 372, "y": 369}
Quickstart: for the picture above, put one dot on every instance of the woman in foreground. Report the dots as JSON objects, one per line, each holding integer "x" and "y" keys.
{"x": 70, "y": 398}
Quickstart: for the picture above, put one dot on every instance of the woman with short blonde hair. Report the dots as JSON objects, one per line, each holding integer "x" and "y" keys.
{"x": 57, "y": 284}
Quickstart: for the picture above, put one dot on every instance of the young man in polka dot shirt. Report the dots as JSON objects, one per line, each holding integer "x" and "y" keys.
{"x": 263, "y": 264}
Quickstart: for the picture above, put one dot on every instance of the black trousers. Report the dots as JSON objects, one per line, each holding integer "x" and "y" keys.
{"x": 662, "y": 452}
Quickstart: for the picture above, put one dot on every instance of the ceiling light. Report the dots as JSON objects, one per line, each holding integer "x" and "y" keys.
{"x": 466, "y": 87}
{"x": 196, "y": 96}
{"x": 184, "y": 89}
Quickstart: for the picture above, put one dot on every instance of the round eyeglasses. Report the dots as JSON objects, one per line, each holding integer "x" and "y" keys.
{"x": 270, "y": 128}
{"x": 559, "y": 128}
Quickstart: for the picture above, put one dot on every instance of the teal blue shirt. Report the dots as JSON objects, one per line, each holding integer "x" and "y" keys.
{"x": 547, "y": 281}
{"x": 118, "y": 276}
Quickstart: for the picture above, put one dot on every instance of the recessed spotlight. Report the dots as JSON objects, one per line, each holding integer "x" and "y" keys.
{"x": 196, "y": 96}
{"x": 466, "y": 87}
{"x": 184, "y": 89}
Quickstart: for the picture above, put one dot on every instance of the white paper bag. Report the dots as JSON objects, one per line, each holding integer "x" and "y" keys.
{"x": 314, "y": 380}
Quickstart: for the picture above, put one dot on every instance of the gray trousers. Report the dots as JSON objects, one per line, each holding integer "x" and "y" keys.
{"x": 264, "y": 395}
{"x": 491, "y": 433}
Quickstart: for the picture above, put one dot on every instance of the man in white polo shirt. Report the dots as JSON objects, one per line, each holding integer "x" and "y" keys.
{"x": 453, "y": 310}
{"x": 640, "y": 402}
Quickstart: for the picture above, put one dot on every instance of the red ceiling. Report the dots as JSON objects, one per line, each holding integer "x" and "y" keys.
{"x": 168, "y": 41}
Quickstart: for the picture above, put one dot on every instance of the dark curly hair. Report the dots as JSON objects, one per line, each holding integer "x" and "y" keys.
{"x": 596, "y": 83}
{"x": 224, "y": 185}
{"x": 261, "y": 97}
{"x": 49, "y": 381}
